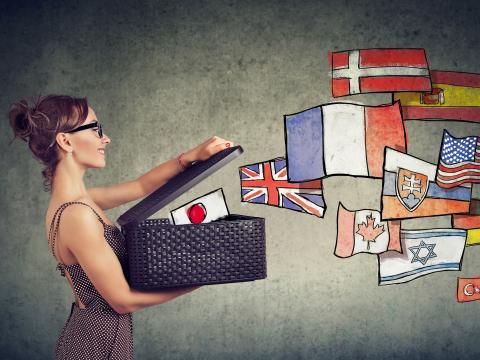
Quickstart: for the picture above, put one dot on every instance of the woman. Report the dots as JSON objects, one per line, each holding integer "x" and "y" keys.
{"x": 64, "y": 134}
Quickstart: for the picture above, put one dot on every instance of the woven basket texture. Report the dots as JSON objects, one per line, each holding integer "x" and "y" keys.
{"x": 163, "y": 255}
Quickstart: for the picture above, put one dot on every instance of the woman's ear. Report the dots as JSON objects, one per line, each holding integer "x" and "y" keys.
{"x": 63, "y": 142}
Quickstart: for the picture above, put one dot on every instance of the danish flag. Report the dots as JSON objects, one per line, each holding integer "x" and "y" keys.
{"x": 379, "y": 70}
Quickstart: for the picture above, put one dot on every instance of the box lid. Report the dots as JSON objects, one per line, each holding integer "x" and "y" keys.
{"x": 177, "y": 185}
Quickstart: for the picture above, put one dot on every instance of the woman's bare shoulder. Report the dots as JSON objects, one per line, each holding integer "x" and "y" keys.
{"x": 56, "y": 203}
{"x": 78, "y": 224}
{"x": 75, "y": 211}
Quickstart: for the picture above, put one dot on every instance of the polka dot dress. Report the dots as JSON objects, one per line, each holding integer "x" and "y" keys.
{"x": 98, "y": 331}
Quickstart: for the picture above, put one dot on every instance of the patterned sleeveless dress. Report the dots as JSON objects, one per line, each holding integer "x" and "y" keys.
{"x": 98, "y": 331}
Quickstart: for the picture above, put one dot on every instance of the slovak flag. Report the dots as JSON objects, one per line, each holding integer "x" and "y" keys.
{"x": 203, "y": 209}
{"x": 409, "y": 189}
{"x": 379, "y": 70}
{"x": 341, "y": 139}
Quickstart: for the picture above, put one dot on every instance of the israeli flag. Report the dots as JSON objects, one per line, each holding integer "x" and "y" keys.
{"x": 424, "y": 252}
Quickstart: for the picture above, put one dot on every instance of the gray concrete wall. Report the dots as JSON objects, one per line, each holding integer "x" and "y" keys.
{"x": 164, "y": 76}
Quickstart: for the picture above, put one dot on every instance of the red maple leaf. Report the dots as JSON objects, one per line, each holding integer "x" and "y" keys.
{"x": 370, "y": 231}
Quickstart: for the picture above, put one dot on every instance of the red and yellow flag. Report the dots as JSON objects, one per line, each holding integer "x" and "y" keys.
{"x": 454, "y": 96}
{"x": 471, "y": 223}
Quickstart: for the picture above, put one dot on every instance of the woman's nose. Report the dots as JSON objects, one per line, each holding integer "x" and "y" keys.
{"x": 105, "y": 139}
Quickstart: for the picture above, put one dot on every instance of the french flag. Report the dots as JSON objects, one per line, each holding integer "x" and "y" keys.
{"x": 341, "y": 139}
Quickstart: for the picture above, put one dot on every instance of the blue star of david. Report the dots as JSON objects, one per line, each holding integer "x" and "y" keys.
{"x": 416, "y": 250}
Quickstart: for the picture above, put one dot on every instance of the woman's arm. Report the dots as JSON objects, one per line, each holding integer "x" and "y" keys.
{"x": 159, "y": 175}
{"x": 109, "y": 197}
{"x": 142, "y": 299}
{"x": 83, "y": 235}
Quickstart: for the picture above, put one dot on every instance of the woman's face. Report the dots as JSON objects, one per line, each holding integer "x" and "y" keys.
{"x": 88, "y": 148}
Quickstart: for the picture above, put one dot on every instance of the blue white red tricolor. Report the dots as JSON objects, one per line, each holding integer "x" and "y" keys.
{"x": 341, "y": 139}
{"x": 267, "y": 183}
{"x": 459, "y": 161}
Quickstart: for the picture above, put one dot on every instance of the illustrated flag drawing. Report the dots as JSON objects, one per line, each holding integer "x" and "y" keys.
{"x": 468, "y": 289}
{"x": 454, "y": 96}
{"x": 362, "y": 231}
{"x": 459, "y": 161}
{"x": 424, "y": 252}
{"x": 267, "y": 183}
{"x": 409, "y": 189}
{"x": 203, "y": 209}
{"x": 466, "y": 221}
{"x": 379, "y": 70}
{"x": 341, "y": 139}
{"x": 471, "y": 223}
{"x": 474, "y": 205}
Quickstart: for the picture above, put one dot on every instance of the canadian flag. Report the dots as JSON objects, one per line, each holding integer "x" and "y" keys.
{"x": 362, "y": 231}
{"x": 203, "y": 209}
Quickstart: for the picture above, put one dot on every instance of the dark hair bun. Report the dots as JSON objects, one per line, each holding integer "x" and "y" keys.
{"x": 21, "y": 120}
{"x": 39, "y": 124}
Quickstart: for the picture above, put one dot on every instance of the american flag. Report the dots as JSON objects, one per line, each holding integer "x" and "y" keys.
{"x": 267, "y": 183}
{"x": 459, "y": 161}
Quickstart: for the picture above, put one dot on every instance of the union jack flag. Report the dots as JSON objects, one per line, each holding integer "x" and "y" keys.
{"x": 267, "y": 183}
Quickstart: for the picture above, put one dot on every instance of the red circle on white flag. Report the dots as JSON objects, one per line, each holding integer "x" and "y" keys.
{"x": 197, "y": 213}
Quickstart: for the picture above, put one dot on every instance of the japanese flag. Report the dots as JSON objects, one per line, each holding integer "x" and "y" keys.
{"x": 204, "y": 209}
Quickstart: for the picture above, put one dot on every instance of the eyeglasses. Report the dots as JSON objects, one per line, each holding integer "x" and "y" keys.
{"x": 88, "y": 126}
{"x": 84, "y": 127}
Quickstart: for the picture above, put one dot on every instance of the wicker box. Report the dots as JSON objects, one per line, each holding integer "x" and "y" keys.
{"x": 162, "y": 255}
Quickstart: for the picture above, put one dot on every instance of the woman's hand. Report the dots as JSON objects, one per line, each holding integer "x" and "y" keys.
{"x": 208, "y": 148}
